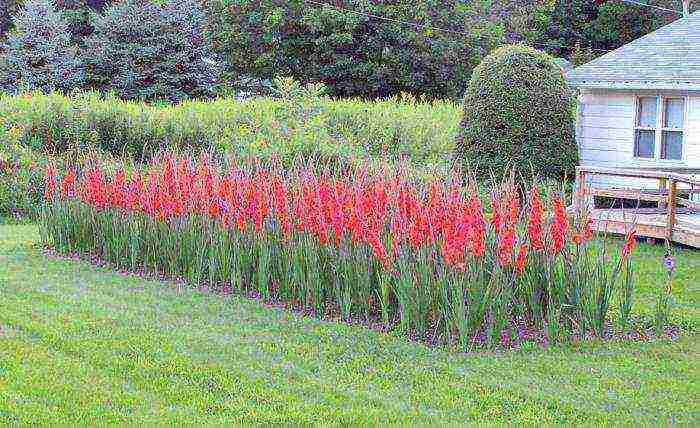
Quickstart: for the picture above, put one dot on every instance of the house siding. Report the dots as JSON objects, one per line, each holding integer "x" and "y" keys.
{"x": 605, "y": 133}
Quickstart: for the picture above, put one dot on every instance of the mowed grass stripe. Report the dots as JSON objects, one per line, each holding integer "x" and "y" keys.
{"x": 80, "y": 343}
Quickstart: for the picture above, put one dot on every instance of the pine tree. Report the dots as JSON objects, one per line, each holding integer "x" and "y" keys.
{"x": 38, "y": 53}
{"x": 147, "y": 51}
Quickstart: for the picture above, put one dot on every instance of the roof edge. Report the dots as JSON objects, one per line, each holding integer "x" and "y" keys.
{"x": 584, "y": 70}
{"x": 641, "y": 85}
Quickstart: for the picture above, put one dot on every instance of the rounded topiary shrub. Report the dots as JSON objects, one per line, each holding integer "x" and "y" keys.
{"x": 143, "y": 50}
{"x": 38, "y": 53}
{"x": 518, "y": 113}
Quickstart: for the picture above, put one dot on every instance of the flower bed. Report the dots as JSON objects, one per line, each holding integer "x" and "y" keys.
{"x": 431, "y": 262}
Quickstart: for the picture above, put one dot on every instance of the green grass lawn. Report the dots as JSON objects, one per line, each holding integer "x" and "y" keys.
{"x": 80, "y": 343}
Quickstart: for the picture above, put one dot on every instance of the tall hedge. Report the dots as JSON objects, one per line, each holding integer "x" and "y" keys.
{"x": 141, "y": 50}
{"x": 352, "y": 53}
{"x": 518, "y": 113}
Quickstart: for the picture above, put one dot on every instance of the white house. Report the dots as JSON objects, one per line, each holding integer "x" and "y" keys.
{"x": 639, "y": 106}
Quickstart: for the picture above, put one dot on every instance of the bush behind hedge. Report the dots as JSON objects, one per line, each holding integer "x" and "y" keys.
{"x": 284, "y": 128}
{"x": 21, "y": 180}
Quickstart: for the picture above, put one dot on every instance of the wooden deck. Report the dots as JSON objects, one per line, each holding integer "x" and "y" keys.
{"x": 618, "y": 222}
{"x": 676, "y": 217}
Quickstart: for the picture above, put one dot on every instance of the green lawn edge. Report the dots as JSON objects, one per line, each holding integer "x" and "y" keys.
{"x": 82, "y": 344}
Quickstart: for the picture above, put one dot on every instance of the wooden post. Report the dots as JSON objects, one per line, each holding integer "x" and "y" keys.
{"x": 671, "y": 209}
{"x": 663, "y": 185}
{"x": 580, "y": 191}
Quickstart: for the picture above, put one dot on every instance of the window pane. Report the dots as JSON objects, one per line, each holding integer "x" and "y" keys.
{"x": 672, "y": 145}
{"x": 647, "y": 112}
{"x": 675, "y": 112}
{"x": 644, "y": 144}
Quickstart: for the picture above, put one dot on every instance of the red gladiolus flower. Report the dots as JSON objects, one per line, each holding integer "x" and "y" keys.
{"x": 513, "y": 204}
{"x": 133, "y": 191}
{"x": 400, "y": 221}
{"x": 506, "y": 245}
{"x": 559, "y": 228}
{"x": 496, "y": 216}
{"x": 214, "y": 208}
{"x": 117, "y": 189}
{"x": 418, "y": 228}
{"x": 630, "y": 244}
{"x": 205, "y": 185}
{"x": 68, "y": 185}
{"x": 336, "y": 215}
{"x": 93, "y": 188}
{"x": 49, "y": 181}
{"x": 521, "y": 258}
{"x": 477, "y": 239}
{"x": 456, "y": 229}
{"x": 280, "y": 200}
{"x": 436, "y": 212}
{"x": 258, "y": 201}
{"x": 588, "y": 230}
{"x": 506, "y": 226}
{"x": 378, "y": 249}
{"x": 535, "y": 220}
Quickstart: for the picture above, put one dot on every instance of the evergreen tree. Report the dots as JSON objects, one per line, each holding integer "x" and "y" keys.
{"x": 148, "y": 51}
{"x": 38, "y": 53}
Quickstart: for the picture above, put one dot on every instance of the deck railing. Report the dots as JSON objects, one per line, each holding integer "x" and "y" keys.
{"x": 669, "y": 191}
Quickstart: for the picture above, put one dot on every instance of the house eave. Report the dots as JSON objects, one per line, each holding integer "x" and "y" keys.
{"x": 635, "y": 85}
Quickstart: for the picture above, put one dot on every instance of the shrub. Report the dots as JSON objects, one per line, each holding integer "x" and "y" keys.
{"x": 518, "y": 112}
{"x": 21, "y": 178}
{"x": 295, "y": 125}
{"x": 353, "y": 54}
{"x": 22, "y": 172}
{"x": 146, "y": 51}
{"x": 38, "y": 52}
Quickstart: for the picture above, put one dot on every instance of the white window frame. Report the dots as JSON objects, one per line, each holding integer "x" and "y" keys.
{"x": 659, "y": 127}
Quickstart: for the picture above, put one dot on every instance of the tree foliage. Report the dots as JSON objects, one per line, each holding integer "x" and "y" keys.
{"x": 371, "y": 48}
{"x": 352, "y": 53}
{"x": 80, "y": 15}
{"x": 7, "y": 9}
{"x": 583, "y": 29}
{"x": 38, "y": 52}
{"x": 145, "y": 51}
